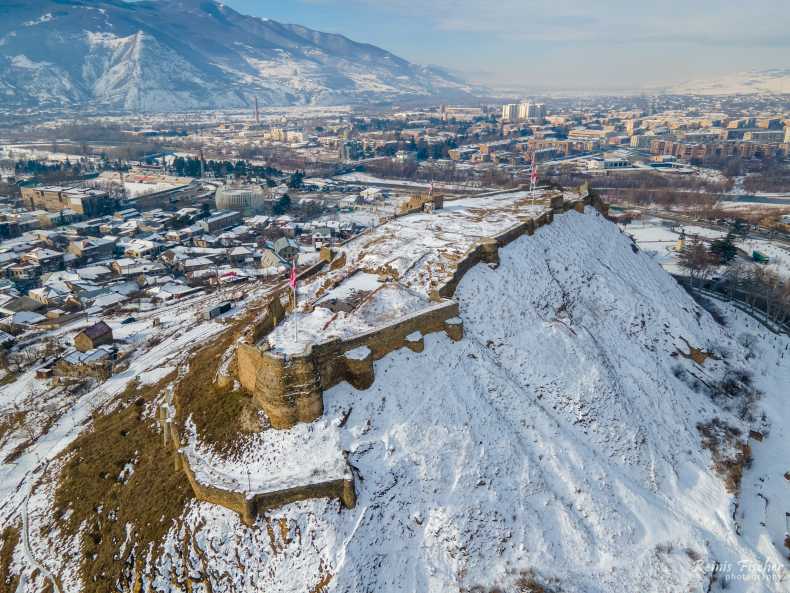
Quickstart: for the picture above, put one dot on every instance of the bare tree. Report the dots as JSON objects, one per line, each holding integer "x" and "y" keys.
{"x": 697, "y": 260}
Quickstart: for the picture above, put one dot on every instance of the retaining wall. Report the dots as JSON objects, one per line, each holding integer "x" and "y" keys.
{"x": 253, "y": 505}
{"x": 249, "y": 506}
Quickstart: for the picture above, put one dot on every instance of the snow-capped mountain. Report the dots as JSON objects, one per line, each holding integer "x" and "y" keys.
{"x": 776, "y": 81}
{"x": 179, "y": 54}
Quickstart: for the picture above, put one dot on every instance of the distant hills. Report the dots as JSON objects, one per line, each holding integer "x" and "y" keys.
{"x": 170, "y": 55}
{"x": 775, "y": 81}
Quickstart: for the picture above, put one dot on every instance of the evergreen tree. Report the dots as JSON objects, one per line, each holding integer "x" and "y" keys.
{"x": 740, "y": 227}
{"x": 296, "y": 181}
{"x": 283, "y": 205}
{"x": 724, "y": 249}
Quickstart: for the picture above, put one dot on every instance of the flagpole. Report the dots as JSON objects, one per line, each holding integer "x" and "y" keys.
{"x": 533, "y": 178}
{"x": 296, "y": 299}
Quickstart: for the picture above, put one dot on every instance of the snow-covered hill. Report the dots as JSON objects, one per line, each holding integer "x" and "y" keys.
{"x": 775, "y": 81}
{"x": 559, "y": 438}
{"x": 568, "y": 440}
{"x": 180, "y": 54}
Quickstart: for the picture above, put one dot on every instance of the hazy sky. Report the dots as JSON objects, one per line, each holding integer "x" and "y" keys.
{"x": 558, "y": 43}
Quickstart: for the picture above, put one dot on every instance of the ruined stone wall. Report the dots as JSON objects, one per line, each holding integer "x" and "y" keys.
{"x": 290, "y": 389}
{"x": 250, "y": 506}
{"x": 487, "y": 250}
{"x": 248, "y": 361}
{"x": 483, "y": 251}
{"x": 264, "y": 325}
{"x": 235, "y": 501}
{"x": 342, "y": 490}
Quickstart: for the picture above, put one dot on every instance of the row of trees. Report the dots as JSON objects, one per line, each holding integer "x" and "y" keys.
{"x": 700, "y": 260}
{"x": 191, "y": 167}
{"x": 761, "y": 288}
{"x": 649, "y": 180}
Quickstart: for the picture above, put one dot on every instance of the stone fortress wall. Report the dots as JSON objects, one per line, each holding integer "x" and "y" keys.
{"x": 251, "y": 505}
{"x": 290, "y": 389}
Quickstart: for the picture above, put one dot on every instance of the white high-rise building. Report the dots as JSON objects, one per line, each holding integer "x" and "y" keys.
{"x": 787, "y": 135}
{"x": 530, "y": 111}
{"x": 510, "y": 112}
{"x": 536, "y": 112}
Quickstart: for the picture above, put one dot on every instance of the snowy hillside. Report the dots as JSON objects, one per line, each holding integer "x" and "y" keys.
{"x": 554, "y": 438}
{"x": 176, "y": 54}
{"x": 740, "y": 83}
{"x": 568, "y": 440}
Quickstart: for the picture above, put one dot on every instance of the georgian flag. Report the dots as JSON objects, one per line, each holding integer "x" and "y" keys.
{"x": 292, "y": 281}
{"x": 534, "y": 177}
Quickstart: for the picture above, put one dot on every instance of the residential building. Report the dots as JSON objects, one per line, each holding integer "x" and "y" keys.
{"x": 92, "y": 249}
{"x": 46, "y": 259}
{"x": 93, "y": 337}
{"x": 86, "y": 202}
{"x": 220, "y": 221}
{"x": 510, "y": 112}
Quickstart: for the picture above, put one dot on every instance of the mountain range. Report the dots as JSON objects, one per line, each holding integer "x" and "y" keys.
{"x": 168, "y": 55}
{"x": 769, "y": 82}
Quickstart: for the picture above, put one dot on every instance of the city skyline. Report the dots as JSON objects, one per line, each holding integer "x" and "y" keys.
{"x": 565, "y": 44}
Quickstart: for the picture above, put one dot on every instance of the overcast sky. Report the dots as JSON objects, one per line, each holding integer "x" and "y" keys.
{"x": 558, "y": 43}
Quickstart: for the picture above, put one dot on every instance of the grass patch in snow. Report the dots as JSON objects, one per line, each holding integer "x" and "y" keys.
{"x": 10, "y": 423}
{"x": 33, "y": 436}
{"x": 98, "y": 496}
{"x": 8, "y": 378}
{"x": 9, "y": 540}
{"x": 526, "y": 582}
{"x": 220, "y": 416}
{"x": 731, "y": 455}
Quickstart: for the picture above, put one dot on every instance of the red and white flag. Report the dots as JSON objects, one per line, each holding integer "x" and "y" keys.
{"x": 292, "y": 281}
{"x": 534, "y": 177}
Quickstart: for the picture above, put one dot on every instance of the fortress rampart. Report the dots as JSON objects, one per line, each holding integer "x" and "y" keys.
{"x": 250, "y": 505}
{"x": 290, "y": 388}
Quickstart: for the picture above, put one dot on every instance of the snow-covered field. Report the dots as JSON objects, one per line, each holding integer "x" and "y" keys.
{"x": 779, "y": 256}
{"x": 659, "y": 238}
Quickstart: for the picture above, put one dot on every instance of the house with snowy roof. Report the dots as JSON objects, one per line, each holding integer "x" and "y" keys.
{"x": 94, "y": 336}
